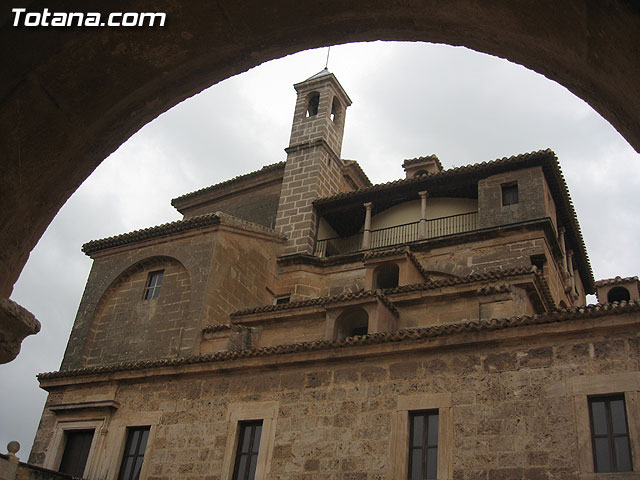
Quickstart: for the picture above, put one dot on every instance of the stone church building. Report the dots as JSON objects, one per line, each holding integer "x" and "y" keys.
{"x": 300, "y": 323}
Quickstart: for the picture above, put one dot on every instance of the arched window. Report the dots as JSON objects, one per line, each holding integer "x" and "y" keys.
{"x": 618, "y": 294}
{"x": 351, "y": 323}
{"x": 420, "y": 173}
{"x": 335, "y": 109}
{"x": 312, "y": 104}
{"x": 386, "y": 276}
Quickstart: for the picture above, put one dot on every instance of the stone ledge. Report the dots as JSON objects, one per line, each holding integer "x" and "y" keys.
{"x": 560, "y": 322}
{"x": 16, "y": 323}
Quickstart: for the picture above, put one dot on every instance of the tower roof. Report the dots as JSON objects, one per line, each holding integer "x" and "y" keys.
{"x": 323, "y": 76}
{"x": 322, "y": 73}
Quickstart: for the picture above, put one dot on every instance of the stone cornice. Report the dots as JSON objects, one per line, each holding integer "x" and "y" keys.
{"x": 173, "y": 228}
{"x": 607, "y": 282}
{"x": 189, "y": 199}
{"x": 400, "y": 341}
{"x": 319, "y": 301}
{"x": 320, "y": 142}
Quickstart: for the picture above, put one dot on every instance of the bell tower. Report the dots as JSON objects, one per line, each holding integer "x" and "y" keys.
{"x": 313, "y": 167}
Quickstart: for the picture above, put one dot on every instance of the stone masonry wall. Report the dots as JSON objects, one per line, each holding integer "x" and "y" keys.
{"x": 513, "y": 417}
{"x": 258, "y": 206}
{"x": 531, "y": 198}
{"x": 487, "y": 255}
{"x": 242, "y": 275}
{"x": 208, "y": 274}
{"x": 193, "y": 251}
{"x": 126, "y": 326}
{"x": 310, "y": 173}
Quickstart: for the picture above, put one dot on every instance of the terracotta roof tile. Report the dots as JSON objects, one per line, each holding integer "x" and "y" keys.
{"x": 416, "y": 334}
{"x": 358, "y": 167}
{"x": 319, "y": 301}
{"x": 224, "y": 326}
{"x": 411, "y": 161}
{"x": 173, "y": 228}
{"x": 615, "y": 281}
{"x": 474, "y": 167}
{"x": 382, "y": 294}
{"x": 266, "y": 168}
{"x": 396, "y": 251}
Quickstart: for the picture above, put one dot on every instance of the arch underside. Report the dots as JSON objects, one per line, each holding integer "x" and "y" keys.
{"x": 70, "y": 97}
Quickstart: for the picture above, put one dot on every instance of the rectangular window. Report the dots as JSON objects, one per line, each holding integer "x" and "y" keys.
{"x": 76, "y": 452}
{"x": 423, "y": 445}
{"x": 247, "y": 453}
{"x": 282, "y": 300}
{"x": 153, "y": 285}
{"x": 610, "y": 434}
{"x": 509, "y": 193}
{"x": 134, "y": 453}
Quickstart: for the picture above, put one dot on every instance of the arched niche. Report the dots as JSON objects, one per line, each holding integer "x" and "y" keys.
{"x": 352, "y": 322}
{"x": 386, "y": 275}
{"x": 618, "y": 294}
{"x": 128, "y": 320}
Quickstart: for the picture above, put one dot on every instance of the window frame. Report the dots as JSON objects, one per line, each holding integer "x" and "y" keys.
{"x": 610, "y": 435}
{"x": 242, "y": 429}
{"x": 509, "y": 194}
{"x": 67, "y": 434}
{"x": 425, "y": 445}
{"x": 244, "y": 412}
{"x": 581, "y": 388}
{"x": 155, "y": 287}
{"x": 400, "y": 432}
{"x": 129, "y": 430}
{"x": 58, "y": 442}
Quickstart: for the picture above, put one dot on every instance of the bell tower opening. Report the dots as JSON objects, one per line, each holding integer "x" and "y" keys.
{"x": 314, "y": 168}
{"x": 313, "y": 104}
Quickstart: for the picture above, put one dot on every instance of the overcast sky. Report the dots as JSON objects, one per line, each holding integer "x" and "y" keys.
{"x": 409, "y": 100}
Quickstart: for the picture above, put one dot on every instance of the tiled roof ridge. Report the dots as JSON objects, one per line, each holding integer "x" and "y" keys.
{"x": 474, "y": 277}
{"x": 605, "y": 282}
{"x": 357, "y": 165}
{"x": 343, "y": 297}
{"x": 447, "y": 172}
{"x": 589, "y": 311}
{"x": 433, "y": 156}
{"x": 223, "y": 326}
{"x": 428, "y": 285}
{"x": 150, "y": 232}
{"x": 227, "y": 219}
{"x": 171, "y": 228}
{"x": 394, "y": 251}
{"x": 266, "y": 168}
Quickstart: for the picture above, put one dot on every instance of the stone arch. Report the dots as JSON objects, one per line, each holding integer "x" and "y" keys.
{"x": 336, "y": 110}
{"x": 386, "y": 275}
{"x": 123, "y": 319}
{"x": 353, "y": 321}
{"x": 618, "y": 294}
{"x": 313, "y": 104}
{"x": 64, "y": 115}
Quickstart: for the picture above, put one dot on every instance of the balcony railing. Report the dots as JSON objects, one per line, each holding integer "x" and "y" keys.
{"x": 409, "y": 232}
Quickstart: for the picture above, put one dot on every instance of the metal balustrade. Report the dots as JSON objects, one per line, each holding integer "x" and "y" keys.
{"x": 398, "y": 234}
